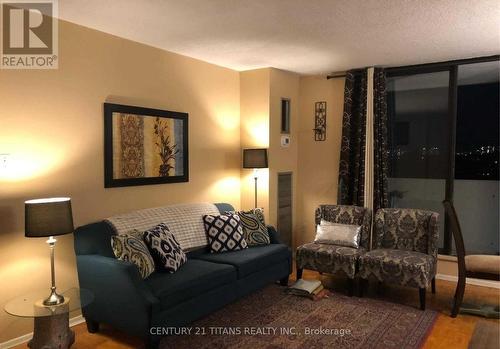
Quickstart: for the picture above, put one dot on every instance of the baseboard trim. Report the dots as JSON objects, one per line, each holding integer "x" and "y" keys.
{"x": 470, "y": 281}
{"x": 26, "y": 337}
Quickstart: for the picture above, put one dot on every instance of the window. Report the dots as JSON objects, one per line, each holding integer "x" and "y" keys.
{"x": 476, "y": 189}
{"x": 419, "y": 141}
{"x": 444, "y": 144}
{"x": 285, "y": 115}
{"x": 477, "y": 145}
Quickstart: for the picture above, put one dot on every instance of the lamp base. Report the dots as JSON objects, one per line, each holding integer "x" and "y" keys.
{"x": 54, "y": 298}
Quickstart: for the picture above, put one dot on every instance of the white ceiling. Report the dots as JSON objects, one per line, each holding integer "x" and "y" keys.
{"x": 303, "y": 36}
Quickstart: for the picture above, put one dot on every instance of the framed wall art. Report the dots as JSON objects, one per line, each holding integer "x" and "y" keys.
{"x": 144, "y": 146}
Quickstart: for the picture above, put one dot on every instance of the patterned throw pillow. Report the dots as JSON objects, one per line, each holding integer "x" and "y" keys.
{"x": 224, "y": 233}
{"x": 254, "y": 227}
{"x": 164, "y": 248}
{"x": 131, "y": 248}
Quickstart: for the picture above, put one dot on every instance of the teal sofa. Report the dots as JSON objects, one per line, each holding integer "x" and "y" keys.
{"x": 205, "y": 283}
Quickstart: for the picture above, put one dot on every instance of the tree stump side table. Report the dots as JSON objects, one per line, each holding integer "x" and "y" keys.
{"x": 51, "y": 323}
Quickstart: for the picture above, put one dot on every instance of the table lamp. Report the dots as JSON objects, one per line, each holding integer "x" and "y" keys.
{"x": 48, "y": 218}
{"x": 255, "y": 158}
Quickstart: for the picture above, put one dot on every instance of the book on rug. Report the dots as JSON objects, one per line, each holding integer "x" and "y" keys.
{"x": 324, "y": 293}
{"x": 305, "y": 288}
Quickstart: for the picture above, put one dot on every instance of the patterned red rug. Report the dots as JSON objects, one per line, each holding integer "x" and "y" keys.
{"x": 271, "y": 319}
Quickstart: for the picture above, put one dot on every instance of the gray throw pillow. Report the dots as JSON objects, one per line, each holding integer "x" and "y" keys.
{"x": 338, "y": 234}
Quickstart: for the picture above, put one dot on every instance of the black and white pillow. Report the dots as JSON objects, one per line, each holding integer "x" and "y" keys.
{"x": 224, "y": 233}
{"x": 164, "y": 248}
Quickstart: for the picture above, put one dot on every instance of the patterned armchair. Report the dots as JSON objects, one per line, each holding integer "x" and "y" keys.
{"x": 333, "y": 259}
{"x": 404, "y": 250}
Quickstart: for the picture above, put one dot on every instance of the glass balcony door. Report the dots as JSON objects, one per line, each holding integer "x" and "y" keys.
{"x": 419, "y": 138}
{"x": 444, "y": 144}
{"x": 476, "y": 189}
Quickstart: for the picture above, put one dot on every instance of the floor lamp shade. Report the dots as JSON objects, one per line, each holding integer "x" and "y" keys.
{"x": 48, "y": 217}
{"x": 255, "y": 158}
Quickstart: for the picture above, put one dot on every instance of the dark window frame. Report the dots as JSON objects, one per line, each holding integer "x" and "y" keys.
{"x": 452, "y": 68}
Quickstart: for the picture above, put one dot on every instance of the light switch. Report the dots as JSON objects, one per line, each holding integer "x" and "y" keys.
{"x": 285, "y": 141}
{"x": 4, "y": 161}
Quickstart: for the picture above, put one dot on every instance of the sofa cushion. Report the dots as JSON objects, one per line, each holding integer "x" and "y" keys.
{"x": 192, "y": 279}
{"x": 250, "y": 260}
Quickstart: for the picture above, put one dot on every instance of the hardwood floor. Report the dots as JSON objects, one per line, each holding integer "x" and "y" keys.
{"x": 447, "y": 332}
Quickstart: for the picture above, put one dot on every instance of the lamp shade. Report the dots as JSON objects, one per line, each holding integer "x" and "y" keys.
{"x": 255, "y": 158}
{"x": 48, "y": 217}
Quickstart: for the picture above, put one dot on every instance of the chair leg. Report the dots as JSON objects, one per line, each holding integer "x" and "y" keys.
{"x": 380, "y": 288}
{"x": 299, "y": 273}
{"x": 421, "y": 292}
{"x": 459, "y": 296}
{"x": 350, "y": 287}
{"x": 433, "y": 285}
{"x": 363, "y": 286}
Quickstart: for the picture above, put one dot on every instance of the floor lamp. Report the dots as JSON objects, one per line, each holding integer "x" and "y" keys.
{"x": 255, "y": 159}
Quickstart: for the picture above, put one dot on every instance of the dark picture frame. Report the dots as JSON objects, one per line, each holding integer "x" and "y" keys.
{"x": 177, "y": 152}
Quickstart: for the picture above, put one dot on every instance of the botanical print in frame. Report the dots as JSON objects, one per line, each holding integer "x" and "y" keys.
{"x": 144, "y": 146}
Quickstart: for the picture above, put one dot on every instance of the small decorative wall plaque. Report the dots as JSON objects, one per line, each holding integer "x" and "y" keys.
{"x": 320, "y": 121}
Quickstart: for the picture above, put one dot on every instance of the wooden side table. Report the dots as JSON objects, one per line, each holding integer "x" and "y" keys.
{"x": 51, "y": 323}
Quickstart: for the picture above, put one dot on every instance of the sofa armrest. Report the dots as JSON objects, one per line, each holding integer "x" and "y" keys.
{"x": 274, "y": 236}
{"x": 121, "y": 297}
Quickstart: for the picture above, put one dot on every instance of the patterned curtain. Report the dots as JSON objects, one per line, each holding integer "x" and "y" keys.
{"x": 352, "y": 151}
{"x": 381, "y": 146}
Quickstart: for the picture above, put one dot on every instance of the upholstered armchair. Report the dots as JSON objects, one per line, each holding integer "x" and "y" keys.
{"x": 404, "y": 250}
{"x": 333, "y": 259}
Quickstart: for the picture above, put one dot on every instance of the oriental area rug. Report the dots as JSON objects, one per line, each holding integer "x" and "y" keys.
{"x": 272, "y": 319}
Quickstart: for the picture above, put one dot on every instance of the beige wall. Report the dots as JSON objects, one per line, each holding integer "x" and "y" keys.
{"x": 261, "y": 91}
{"x": 318, "y": 162}
{"x": 447, "y": 266}
{"x": 51, "y": 121}
{"x": 254, "y": 113}
{"x": 283, "y": 159}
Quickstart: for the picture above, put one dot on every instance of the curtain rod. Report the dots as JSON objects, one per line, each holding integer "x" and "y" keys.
{"x": 336, "y": 75}
{"x": 436, "y": 65}
{"x": 342, "y": 74}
